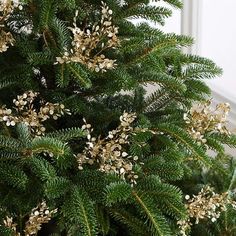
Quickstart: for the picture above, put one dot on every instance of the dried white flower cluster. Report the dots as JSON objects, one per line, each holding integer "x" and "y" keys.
{"x": 206, "y": 205}
{"x": 26, "y": 113}
{"x": 109, "y": 153}
{"x": 88, "y": 45}
{"x": 202, "y": 119}
{"x": 39, "y": 215}
{"x": 6, "y": 8}
{"x": 6, "y": 39}
{"x": 8, "y": 222}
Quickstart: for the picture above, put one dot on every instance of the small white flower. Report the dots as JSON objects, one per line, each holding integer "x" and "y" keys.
{"x": 46, "y": 212}
{"x": 36, "y": 213}
{"x": 124, "y": 154}
{"x": 187, "y": 197}
{"x": 8, "y": 111}
{"x": 13, "y": 123}
{"x": 90, "y": 145}
{"x": 213, "y": 219}
{"x": 88, "y": 126}
{"x": 5, "y": 118}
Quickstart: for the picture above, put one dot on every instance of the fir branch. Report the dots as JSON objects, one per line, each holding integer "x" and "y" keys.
{"x": 184, "y": 138}
{"x": 49, "y": 145}
{"x": 13, "y": 176}
{"x": 157, "y": 222}
{"x": 117, "y": 192}
{"x": 134, "y": 223}
{"x": 79, "y": 209}
{"x": 65, "y": 135}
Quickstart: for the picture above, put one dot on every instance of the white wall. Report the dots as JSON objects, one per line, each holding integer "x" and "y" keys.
{"x": 218, "y": 42}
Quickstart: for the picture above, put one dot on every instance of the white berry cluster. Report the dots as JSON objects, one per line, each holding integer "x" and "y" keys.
{"x": 206, "y": 205}
{"x": 203, "y": 119}
{"x": 25, "y": 112}
{"x": 7, "y": 6}
{"x": 6, "y": 9}
{"x": 9, "y": 223}
{"x": 110, "y": 152}
{"x": 39, "y": 215}
{"x": 100, "y": 37}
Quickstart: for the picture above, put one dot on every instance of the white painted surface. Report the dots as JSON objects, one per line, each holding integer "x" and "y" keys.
{"x": 190, "y": 24}
{"x": 218, "y": 42}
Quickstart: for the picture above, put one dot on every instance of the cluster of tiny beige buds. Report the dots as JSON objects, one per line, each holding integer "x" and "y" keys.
{"x": 8, "y": 222}
{"x": 206, "y": 205}
{"x": 24, "y": 99}
{"x": 7, "y": 117}
{"x": 27, "y": 114}
{"x": 6, "y": 40}
{"x": 109, "y": 153}
{"x": 39, "y": 215}
{"x": 6, "y": 8}
{"x": 99, "y": 38}
{"x": 202, "y": 119}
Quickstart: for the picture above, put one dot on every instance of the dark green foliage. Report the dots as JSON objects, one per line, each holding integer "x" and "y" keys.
{"x": 79, "y": 210}
{"x": 13, "y": 176}
{"x": 117, "y": 192}
{"x": 44, "y": 144}
{"x": 155, "y": 220}
{"x": 41, "y": 168}
{"x": 135, "y": 225}
{"x": 56, "y": 187}
{"x": 91, "y": 202}
{"x": 66, "y": 134}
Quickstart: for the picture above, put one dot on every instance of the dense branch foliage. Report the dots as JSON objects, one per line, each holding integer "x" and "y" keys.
{"x": 83, "y": 149}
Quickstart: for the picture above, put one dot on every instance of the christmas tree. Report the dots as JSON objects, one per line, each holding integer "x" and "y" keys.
{"x": 84, "y": 150}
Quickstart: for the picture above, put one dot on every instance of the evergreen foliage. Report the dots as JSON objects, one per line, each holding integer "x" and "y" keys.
{"x": 91, "y": 202}
{"x": 222, "y": 182}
